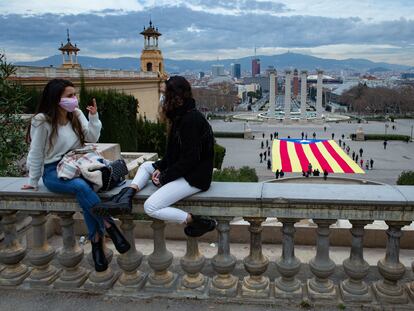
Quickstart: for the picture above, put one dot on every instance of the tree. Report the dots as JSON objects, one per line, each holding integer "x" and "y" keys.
{"x": 13, "y": 99}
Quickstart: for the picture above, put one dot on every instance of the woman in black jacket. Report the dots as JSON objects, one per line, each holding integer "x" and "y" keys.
{"x": 186, "y": 168}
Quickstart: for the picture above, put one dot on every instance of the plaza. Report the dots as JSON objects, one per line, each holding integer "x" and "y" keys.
{"x": 388, "y": 164}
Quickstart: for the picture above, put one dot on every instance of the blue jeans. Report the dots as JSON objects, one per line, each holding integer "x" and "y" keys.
{"x": 85, "y": 196}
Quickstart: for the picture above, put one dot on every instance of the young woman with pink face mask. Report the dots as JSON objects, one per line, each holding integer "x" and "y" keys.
{"x": 58, "y": 127}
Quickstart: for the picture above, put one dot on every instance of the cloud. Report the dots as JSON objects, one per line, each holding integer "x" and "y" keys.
{"x": 198, "y": 34}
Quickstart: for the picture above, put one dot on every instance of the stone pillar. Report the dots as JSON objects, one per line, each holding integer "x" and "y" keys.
{"x": 303, "y": 94}
{"x": 287, "y": 285}
{"x": 192, "y": 263}
{"x": 63, "y": 57}
{"x": 131, "y": 278}
{"x": 224, "y": 283}
{"x": 256, "y": 285}
{"x": 43, "y": 273}
{"x": 288, "y": 96}
{"x": 11, "y": 252}
{"x": 70, "y": 256}
{"x": 320, "y": 287}
{"x": 354, "y": 288}
{"x": 98, "y": 281}
{"x": 295, "y": 84}
{"x": 161, "y": 279}
{"x": 272, "y": 96}
{"x": 319, "y": 83}
{"x": 392, "y": 270}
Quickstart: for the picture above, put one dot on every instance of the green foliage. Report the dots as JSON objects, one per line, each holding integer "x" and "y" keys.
{"x": 12, "y": 127}
{"x": 405, "y": 138}
{"x": 151, "y": 136}
{"x": 244, "y": 174}
{"x": 406, "y": 178}
{"x": 228, "y": 135}
{"x": 219, "y": 153}
{"x": 33, "y": 99}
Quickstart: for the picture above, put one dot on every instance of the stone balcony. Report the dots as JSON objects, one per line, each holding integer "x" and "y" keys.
{"x": 257, "y": 278}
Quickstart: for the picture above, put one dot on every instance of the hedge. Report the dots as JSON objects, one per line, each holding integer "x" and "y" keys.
{"x": 230, "y": 174}
{"x": 406, "y": 178}
{"x": 405, "y": 138}
{"x": 219, "y": 153}
{"x": 228, "y": 135}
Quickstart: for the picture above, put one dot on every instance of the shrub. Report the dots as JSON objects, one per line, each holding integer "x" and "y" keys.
{"x": 219, "y": 153}
{"x": 405, "y": 138}
{"x": 228, "y": 135}
{"x": 228, "y": 174}
{"x": 151, "y": 136}
{"x": 406, "y": 178}
{"x": 12, "y": 127}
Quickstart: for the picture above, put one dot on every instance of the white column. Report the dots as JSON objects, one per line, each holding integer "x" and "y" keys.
{"x": 63, "y": 57}
{"x": 303, "y": 93}
{"x": 71, "y": 59}
{"x": 272, "y": 97}
{"x": 288, "y": 95}
{"x": 319, "y": 94}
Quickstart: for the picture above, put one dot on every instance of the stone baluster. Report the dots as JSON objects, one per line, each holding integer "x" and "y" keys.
{"x": 70, "y": 255}
{"x": 160, "y": 260}
{"x": 320, "y": 286}
{"x": 11, "y": 252}
{"x": 354, "y": 288}
{"x": 256, "y": 285}
{"x": 224, "y": 283}
{"x": 192, "y": 263}
{"x": 131, "y": 278}
{"x": 287, "y": 285}
{"x": 392, "y": 270}
{"x": 41, "y": 254}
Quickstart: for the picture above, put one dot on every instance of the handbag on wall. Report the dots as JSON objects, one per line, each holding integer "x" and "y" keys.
{"x": 113, "y": 174}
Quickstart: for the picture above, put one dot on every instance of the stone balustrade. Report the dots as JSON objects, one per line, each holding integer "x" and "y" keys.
{"x": 290, "y": 203}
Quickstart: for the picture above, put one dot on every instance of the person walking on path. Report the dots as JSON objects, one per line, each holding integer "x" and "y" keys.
{"x": 267, "y": 143}
{"x": 360, "y": 152}
{"x": 282, "y": 173}
{"x": 277, "y": 174}
{"x": 361, "y": 162}
{"x": 333, "y": 135}
{"x": 385, "y": 144}
{"x": 371, "y": 162}
{"x": 324, "y": 129}
{"x": 263, "y": 135}
{"x": 268, "y": 152}
{"x": 306, "y": 136}
{"x": 264, "y": 155}
{"x": 353, "y": 155}
{"x": 309, "y": 168}
{"x": 325, "y": 174}
{"x": 367, "y": 165}
{"x": 271, "y": 136}
{"x": 343, "y": 136}
{"x": 340, "y": 142}
{"x": 261, "y": 145}
{"x": 277, "y": 135}
{"x": 269, "y": 164}
{"x": 356, "y": 159}
{"x": 261, "y": 157}
{"x": 314, "y": 135}
{"x": 303, "y": 135}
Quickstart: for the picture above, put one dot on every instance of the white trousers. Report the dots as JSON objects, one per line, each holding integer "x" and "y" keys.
{"x": 158, "y": 205}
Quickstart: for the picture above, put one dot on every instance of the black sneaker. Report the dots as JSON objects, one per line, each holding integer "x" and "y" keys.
{"x": 200, "y": 226}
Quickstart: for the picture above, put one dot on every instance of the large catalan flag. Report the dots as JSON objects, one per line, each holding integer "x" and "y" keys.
{"x": 294, "y": 155}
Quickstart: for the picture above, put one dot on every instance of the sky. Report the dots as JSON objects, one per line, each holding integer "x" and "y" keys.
{"x": 377, "y": 30}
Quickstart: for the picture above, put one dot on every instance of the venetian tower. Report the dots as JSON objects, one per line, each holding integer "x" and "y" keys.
{"x": 69, "y": 54}
{"x": 151, "y": 56}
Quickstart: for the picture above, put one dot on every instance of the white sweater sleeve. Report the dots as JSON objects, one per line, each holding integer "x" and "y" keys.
{"x": 36, "y": 157}
{"x": 92, "y": 128}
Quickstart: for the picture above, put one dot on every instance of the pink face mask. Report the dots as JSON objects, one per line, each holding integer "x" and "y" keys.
{"x": 69, "y": 103}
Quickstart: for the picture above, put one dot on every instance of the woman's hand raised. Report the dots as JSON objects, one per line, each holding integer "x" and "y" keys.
{"x": 93, "y": 109}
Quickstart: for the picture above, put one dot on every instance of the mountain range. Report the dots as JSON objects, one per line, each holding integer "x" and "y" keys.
{"x": 280, "y": 62}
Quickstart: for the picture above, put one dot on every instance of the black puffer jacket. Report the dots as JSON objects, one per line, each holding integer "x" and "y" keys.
{"x": 190, "y": 149}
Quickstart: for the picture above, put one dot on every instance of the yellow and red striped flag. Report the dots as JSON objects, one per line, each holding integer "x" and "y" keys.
{"x": 294, "y": 155}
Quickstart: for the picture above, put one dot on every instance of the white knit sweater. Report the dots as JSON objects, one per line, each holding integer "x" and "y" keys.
{"x": 66, "y": 139}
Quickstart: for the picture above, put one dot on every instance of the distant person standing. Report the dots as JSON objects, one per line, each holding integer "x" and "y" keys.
{"x": 267, "y": 143}
{"x": 353, "y": 155}
{"x": 264, "y": 155}
{"x": 306, "y": 136}
{"x": 340, "y": 142}
{"x": 271, "y": 136}
{"x": 263, "y": 135}
{"x": 356, "y": 159}
{"x": 324, "y": 129}
{"x": 269, "y": 164}
{"x": 367, "y": 165}
{"x": 309, "y": 168}
{"x": 314, "y": 135}
{"x": 303, "y": 135}
{"x": 262, "y": 145}
{"x": 277, "y": 135}
{"x": 268, "y": 152}
{"x": 361, "y": 162}
{"x": 261, "y": 157}
{"x": 343, "y": 136}
{"x": 277, "y": 174}
{"x": 282, "y": 173}
{"x": 325, "y": 174}
{"x": 385, "y": 144}
{"x": 360, "y": 152}
{"x": 333, "y": 135}
{"x": 371, "y": 162}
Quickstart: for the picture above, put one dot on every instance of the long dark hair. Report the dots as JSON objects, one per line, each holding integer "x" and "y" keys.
{"x": 177, "y": 92}
{"x": 49, "y": 104}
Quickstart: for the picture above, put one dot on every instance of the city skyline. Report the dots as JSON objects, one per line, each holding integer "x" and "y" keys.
{"x": 205, "y": 30}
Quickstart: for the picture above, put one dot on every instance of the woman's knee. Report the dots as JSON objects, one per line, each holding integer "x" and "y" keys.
{"x": 150, "y": 207}
{"x": 147, "y": 166}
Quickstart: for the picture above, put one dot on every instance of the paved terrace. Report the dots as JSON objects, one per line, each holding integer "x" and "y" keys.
{"x": 287, "y": 281}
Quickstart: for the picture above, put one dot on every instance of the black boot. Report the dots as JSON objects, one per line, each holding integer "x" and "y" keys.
{"x": 98, "y": 255}
{"x": 120, "y": 242}
{"x": 200, "y": 225}
{"x": 119, "y": 204}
